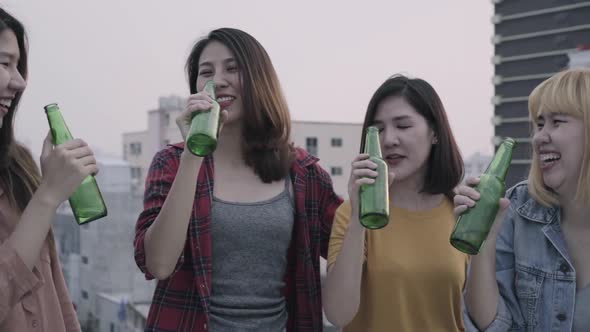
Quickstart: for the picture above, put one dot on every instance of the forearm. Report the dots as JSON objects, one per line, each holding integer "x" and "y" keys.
{"x": 341, "y": 296}
{"x": 166, "y": 237}
{"x": 32, "y": 228}
{"x": 482, "y": 294}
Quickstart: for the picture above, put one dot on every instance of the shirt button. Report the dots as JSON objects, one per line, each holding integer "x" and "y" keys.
{"x": 205, "y": 326}
{"x": 34, "y": 323}
{"x": 564, "y": 268}
{"x": 561, "y": 317}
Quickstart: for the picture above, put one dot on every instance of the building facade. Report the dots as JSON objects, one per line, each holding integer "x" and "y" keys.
{"x": 533, "y": 40}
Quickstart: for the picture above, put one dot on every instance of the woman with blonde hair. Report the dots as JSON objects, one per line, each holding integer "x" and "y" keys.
{"x": 534, "y": 270}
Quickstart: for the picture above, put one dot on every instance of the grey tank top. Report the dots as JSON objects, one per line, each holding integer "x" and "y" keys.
{"x": 249, "y": 243}
{"x": 582, "y": 311}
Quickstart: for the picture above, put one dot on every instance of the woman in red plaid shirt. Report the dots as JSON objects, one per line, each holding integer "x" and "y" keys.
{"x": 234, "y": 238}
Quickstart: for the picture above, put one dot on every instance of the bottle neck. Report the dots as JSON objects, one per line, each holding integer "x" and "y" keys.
{"x": 57, "y": 124}
{"x": 55, "y": 118}
{"x": 372, "y": 144}
{"x": 210, "y": 89}
{"x": 501, "y": 162}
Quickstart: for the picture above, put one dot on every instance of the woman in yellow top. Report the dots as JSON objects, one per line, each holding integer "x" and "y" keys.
{"x": 406, "y": 276}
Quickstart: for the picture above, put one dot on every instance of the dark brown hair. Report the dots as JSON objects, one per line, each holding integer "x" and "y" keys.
{"x": 445, "y": 166}
{"x": 266, "y": 126}
{"x": 19, "y": 175}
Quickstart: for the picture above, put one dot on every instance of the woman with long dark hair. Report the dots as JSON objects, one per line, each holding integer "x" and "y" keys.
{"x": 234, "y": 238}
{"x": 33, "y": 293}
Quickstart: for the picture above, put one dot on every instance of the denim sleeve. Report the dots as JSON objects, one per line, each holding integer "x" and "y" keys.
{"x": 508, "y": 315}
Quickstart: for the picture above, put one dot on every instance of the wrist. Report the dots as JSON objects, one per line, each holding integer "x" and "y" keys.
{"x": 355, "y": 225}
{"x": 488, "y": 251}
{"x": 188, "y": 156}
{"x": 46, "y": 198}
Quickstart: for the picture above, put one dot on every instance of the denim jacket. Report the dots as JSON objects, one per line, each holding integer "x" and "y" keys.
{"x": 536, "y": 277}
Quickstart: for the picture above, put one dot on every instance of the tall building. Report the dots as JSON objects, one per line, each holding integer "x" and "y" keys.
{"x": 533, "y": 40}
{"x": 335, "y": 144}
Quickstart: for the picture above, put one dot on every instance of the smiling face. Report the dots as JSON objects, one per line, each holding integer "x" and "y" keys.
{"x": 11, "y": 80}
{"x": 559, "y": 109}
{"x": 406, "y": 139}
{"x": 559, "y": 148}
{"x": 217, "y": 63}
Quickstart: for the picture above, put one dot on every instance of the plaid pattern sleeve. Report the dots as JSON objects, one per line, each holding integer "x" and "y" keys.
{"x": 159, "y": 179}
{"x": 329, "y": 202}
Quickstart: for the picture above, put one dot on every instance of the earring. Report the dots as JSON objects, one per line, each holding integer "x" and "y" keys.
{"x": 435, "y": 141}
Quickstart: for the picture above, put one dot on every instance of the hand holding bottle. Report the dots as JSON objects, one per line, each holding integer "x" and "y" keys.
{"x": 474, "y": 224}
{"x": 467, "y": 196}
{"x": 198, "y": 102}
{"x": 205, "y": 124}
{"x": 363, "y": 171}
{"x": 63, "y": 168}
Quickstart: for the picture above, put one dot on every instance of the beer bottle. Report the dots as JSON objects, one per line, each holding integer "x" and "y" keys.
{"x": 86, "y": 202}
{"x": 473, "y": 226}
{"x": 202, "y": 136}
{"x": 374, "y": 198}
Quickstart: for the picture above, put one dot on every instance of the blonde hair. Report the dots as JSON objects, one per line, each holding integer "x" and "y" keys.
{"x": 567, "y": 92}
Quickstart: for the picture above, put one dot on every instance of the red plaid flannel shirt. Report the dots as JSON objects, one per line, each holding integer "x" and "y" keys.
{"x": 182, "y": 301}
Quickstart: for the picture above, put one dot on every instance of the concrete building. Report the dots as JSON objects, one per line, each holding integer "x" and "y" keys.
{"x": 98, "y": 257}
{"x": 336, "y": 144}
{"x": 533, "y": 40}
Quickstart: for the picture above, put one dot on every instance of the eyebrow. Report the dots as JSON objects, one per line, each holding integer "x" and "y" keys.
{"x": 209, "y": 63}
{"x": 397, "y": 118}
{"x": 552, "y": 114}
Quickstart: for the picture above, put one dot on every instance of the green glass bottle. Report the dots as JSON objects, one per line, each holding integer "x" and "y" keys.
{"x": 86, "y": 202}
{"x": 202, "y": 136}
{"x": 473, "y": 226}
{"x": 374, "y": 198}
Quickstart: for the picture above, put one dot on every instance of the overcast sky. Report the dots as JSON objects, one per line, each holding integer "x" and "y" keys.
{"x": 107, "y": 62}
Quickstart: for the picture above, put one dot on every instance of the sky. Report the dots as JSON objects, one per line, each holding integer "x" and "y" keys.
{"x": 106, "y": 62}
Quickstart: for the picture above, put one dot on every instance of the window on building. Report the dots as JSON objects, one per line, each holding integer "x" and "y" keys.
{"x": 336, "y": 142}
{"x": 336, "y": 170}
{"x": 311, "y": 145}
{"x": 167, "y": 119}
{"x": 112, "y": 327}
{"x": 136, "y": 172}
{"x": 84, "y": 260}
{"x": 84, "y": 294}
{"x": 135, "y": 148}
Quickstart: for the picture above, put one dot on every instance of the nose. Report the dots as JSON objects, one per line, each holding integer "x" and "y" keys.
{"x": 220, "y": 79}
{"x": 541, "y": 137}
{"x": 389, "y": 138}
{"x": 17, "y": 82}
